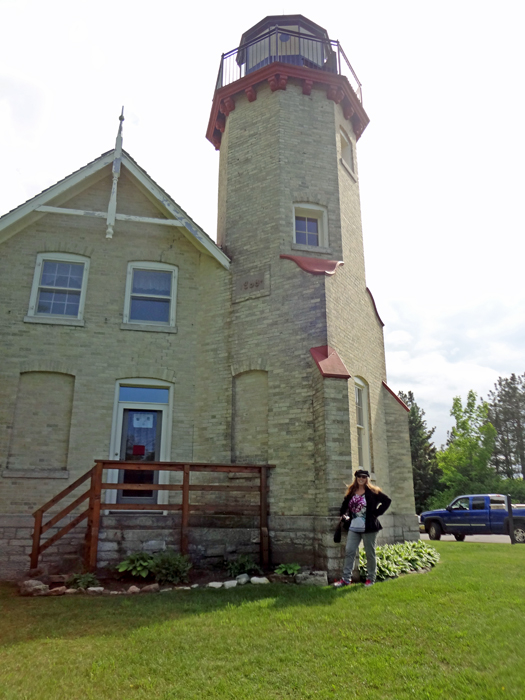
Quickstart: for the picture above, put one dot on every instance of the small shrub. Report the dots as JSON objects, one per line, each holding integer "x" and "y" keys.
{"x": 138, "y": 564}
{"x": 86, "y": 580}
{"x": 288, "y": 569}
{"x": 400, "y": 558}
{"x": 244, "y": 564}
{"x": 170, "y": 567}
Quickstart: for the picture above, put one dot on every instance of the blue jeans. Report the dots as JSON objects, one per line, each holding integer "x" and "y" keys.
{"x": 352, "y": 545}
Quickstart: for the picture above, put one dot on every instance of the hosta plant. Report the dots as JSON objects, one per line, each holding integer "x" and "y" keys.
{"x": 137, "y": 564}
{"x": 400, "y": 558}
{"x": 288, "y": 569}
{"x": 86, "y": 580}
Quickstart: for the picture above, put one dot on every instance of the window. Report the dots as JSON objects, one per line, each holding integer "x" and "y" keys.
{"x": 498, "y": 503}
{"x": 461, "y": 504}
{"x": 347, "y": 152}
{"x": 310, "y": 228}
{"x": 478, "y": 503}
{"x": 363, "y": 434}
{"x": 151, "y": 293}
{"x": 59, "y": 288}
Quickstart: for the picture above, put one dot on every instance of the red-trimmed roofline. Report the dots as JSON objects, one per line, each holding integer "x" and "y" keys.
{"x": 396, "y": 397}
{"x": 375, "y": 307}
{"x": 329, "y": 362}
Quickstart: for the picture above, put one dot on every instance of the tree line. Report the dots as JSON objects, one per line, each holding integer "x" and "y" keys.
{"x": 484, "y": 452}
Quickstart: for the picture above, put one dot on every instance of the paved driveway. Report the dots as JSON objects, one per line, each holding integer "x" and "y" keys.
{"x": 494, "y": 539}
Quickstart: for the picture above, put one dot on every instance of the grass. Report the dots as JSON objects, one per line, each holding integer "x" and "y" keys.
{"x": 456, "y": 632}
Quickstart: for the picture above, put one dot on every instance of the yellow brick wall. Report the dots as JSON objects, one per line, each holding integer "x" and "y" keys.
{"x": 100, "y": 353}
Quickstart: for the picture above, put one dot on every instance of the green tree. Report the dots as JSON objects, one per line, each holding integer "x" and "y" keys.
{"x": 507, "y": 415}
{"x": 425, "y": 470}
{"x": 466, "y": 461}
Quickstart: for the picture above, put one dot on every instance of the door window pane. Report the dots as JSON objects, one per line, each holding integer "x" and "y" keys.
{"x": 140, "y": 443}
{"x": 143, "y": 394}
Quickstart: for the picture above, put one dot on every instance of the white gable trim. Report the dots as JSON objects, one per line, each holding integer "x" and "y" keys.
{"x": 14, "y": 221}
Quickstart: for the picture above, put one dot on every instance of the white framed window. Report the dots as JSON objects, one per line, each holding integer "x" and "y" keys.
{"x": 310, "y": 226}
{"x": 362, "y": 424}
{"x": 59, "y": 287}
{"x": 347, "y": 152}
{"x": 151, "y": 295}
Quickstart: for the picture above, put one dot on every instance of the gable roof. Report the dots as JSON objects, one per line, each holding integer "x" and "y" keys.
{"x": 52, "y": 197}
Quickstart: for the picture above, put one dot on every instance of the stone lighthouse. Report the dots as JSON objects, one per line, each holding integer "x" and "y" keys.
{"x": 307, "y": 353}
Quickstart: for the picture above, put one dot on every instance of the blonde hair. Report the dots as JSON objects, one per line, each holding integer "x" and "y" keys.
{"x": 352, "y": 488}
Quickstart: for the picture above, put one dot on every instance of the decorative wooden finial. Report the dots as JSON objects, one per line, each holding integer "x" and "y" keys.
{"x": 112, "y": 207}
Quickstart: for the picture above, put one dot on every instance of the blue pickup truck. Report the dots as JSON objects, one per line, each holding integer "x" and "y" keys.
{"x": 481, "y": 514}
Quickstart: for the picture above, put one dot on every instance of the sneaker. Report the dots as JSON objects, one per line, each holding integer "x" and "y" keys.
{"x": 369, "y": 583}
{"x": 341, "y": 583}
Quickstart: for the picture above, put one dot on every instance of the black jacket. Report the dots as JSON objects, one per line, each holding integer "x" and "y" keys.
{"x": 376, "y": 505}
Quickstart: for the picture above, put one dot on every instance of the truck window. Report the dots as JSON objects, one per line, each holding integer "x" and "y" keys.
{"x": 478, "y": 503}
{"x": 460, "y": 504}
{"x": 497, "y": 503}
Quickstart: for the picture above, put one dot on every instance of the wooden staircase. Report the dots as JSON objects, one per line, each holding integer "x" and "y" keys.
{"x": 95, "y": 505}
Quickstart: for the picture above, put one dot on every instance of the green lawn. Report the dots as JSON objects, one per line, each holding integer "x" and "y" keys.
{"x": 457, "y": 632}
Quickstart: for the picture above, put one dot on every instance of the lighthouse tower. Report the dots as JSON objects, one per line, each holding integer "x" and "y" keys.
{"x": 307, "y": 353}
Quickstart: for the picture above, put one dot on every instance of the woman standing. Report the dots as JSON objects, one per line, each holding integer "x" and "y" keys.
{"x": 362, "y": 505}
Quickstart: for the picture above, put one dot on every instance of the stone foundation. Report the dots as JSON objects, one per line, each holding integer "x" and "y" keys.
{"x": 306, "y": 540}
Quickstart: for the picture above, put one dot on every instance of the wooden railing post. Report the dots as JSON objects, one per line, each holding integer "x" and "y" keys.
{"x": 185, "y": 509}
{"x": 36, "y": 538}
{"x": 94, "y": 515}
{"x": 264, "y": 517}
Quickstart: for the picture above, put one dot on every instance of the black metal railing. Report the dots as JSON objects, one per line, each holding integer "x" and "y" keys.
{"x": 283, "y": 45}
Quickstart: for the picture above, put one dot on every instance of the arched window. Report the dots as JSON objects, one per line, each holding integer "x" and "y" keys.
{"x": 362, "y": 414}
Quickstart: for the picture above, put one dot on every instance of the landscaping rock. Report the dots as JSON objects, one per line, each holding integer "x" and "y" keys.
{"x": 215, "y": 584}
{"x": 165, "y": 590}
{"x": 71, "y": 591}
{"x": 259, "y": 580}
{"x": 133, "y": 589}
{"x": 152, "y": 588}
{"x": 243, "y": 579}
{"x": 95, "y": 590}
{"x": 230, "y": 584}
{"x": 113, "y": 593}
{"x": 312, "y": 578}
{"x": 195, "y": 585}
{"x": 281, "y": 578}
{"x": 33, "y": 587}
{"x": 60, "y": 590}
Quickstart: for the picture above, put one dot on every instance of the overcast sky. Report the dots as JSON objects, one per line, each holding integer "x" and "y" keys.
{"x": 441, "y": 164}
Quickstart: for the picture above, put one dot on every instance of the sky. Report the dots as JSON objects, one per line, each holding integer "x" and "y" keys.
{"x": 440, "y": 164}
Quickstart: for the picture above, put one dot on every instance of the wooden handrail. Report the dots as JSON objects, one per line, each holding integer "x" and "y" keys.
{"x": 95, "y": 506}
{"x": 65, "y": 492}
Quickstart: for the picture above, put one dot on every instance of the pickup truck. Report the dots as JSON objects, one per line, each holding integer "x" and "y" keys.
{"x": 481, "y": 514}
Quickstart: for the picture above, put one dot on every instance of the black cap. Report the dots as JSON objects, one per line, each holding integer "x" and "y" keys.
{"x": 362, "y": 472}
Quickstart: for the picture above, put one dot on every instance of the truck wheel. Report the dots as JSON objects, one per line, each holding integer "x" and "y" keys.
{"x": 460, "y": 538}
{"x": 519, "y": 533}
{"x": 434, "y": 531}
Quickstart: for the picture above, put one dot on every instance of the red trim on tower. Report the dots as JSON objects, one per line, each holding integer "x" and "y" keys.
{"x": 375, "y": 307}
{"x": 278, "y": 74}
{"x": 396, "y": 397}
{"x": 315, "y": 266}
{"x": 250, "y": 93}
{"x": 329, "y": 362}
